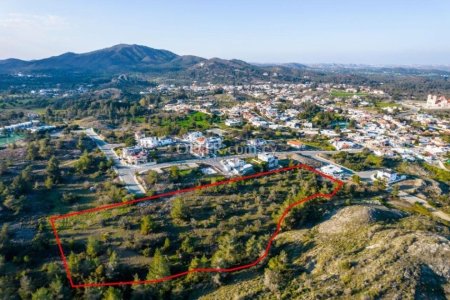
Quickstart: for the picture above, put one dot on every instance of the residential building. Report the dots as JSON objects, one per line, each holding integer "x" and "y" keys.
{"x": 205, "y": 146}
{"x": 435, "y": 102}
{"x": 342, "y": 145}
{"x": 153, "y": 142}
{"x": 233, "y": 122}
{"x": 134, "y": 155}
{"x": 389, "y": 176}
{"x": 332, "y": 170}
{"x": 270, "y": 159}
{"x": 236, "y": 166}
{"x": 296, "y": 144}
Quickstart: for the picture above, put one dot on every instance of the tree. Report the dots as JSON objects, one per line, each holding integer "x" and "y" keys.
{"x": 380, "y": 184}
{"x": 25, "y": 288}
{"x": 22, "y": 183}
{"x": 53, "y": 170}
{"x": 178, "y": 211}
{"x": 395, "y": 191}
{"x": 92, "y": 247}
{"x": 228, "y": 251}
{"x": 152, "y": 177}
{"x": 42, "y": 294}
{"x": 143, "y": 102}
{"x": 356, "y": 179}
{"x": 44, "y": 148}
{"x": 83, "y": 164}
{"x": 166, "y": 245}
{"x": 274, "y": 274}
{"x": 4, "y": 237}
{"x": 174, "y": 173}
{"x": 187, "y": 245}
{"x": 147, "y": 225}
{"x": 14, "y": 203}
{"x": 74, "y": 263}
{"x": 197, "y": 263}
{"x": 80, "y": 144}
{"x": 130, "y": 141}
{"x": 58, "y": 289}
{"x": 112, "y": 265}
{"x": 112, "y": 294}
{"x": 158, "y": 267}
{"x": 32, "y": 151}
{"x": 48, "y": 183}
{"x": 252, "y": 248}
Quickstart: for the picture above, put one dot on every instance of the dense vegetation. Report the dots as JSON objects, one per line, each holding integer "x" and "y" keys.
{"x": 361, "y": 161}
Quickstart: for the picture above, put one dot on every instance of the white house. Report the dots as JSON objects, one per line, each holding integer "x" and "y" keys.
{"x": 205, "y": 146}
{"x": 256, "y": 142}
{"x": 388, "y": 176}
{"x": 341, "y": 145}
{"x": 153, "y": 142}
{"x": 271, "y": 160}
{"x": 332, "y": 170}
{"x": 233, "y": 122}
{"x": 236, "y": 166}
{"x": 192, "y": 136}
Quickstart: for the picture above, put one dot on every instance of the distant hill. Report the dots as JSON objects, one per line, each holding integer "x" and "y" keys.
{"x": 130, "y": 58}
{"x": 164, "y": 65}
{"x": 119, "y": 58}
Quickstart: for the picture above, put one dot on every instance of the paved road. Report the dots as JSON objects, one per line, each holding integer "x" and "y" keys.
{"x": 215, "y": 162}
{"x": 125, "y": 172}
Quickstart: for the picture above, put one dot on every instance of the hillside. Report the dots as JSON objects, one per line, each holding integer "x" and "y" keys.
{"x": 166, "y": 66}
{"x": 119, "y": 58}
{"x": 361, "y": 252}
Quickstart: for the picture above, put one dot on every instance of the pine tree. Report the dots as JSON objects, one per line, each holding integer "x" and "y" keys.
{"x": 112, "y": 265}
{"x": 92, "y": 247}
{"x": 41, "y": 294}
{"x": 32, "y": 152}
{"x": 178, "y": 212}
{"x": 25, "y": 288}
{"x": 147, "y": 225}
{"x": 48, "y": 183}
{"x": 112, "y": 294}
{"x": 14, "y": 203}
{"x": 197, "y": 263}
{"x": 158, "y": 267}
{"x": 53, "y": 170}
{"x": 166, "y": 245}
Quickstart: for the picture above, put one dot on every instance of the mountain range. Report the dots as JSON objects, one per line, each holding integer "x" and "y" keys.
{"x": 117, "y": 59}
{"x": 125, "y": 58}
{"x": 168, "y": 66}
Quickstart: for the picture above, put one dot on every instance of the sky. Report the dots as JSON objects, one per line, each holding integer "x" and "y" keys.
{"x": 396, "y": 32}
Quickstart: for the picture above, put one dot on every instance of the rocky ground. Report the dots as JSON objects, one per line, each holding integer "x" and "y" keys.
{"x": 362, "y": 252}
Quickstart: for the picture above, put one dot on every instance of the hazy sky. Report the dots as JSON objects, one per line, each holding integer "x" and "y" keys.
{"x": 305, "y": 31}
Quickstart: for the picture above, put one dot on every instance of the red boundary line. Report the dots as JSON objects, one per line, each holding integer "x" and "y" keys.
{"x": 52, "y": 220}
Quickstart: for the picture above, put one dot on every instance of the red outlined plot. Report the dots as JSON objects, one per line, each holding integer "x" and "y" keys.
{"x": 53, "y": 219}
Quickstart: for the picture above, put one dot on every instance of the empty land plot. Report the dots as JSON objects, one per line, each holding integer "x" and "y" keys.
{"x": 222, "y": 227}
